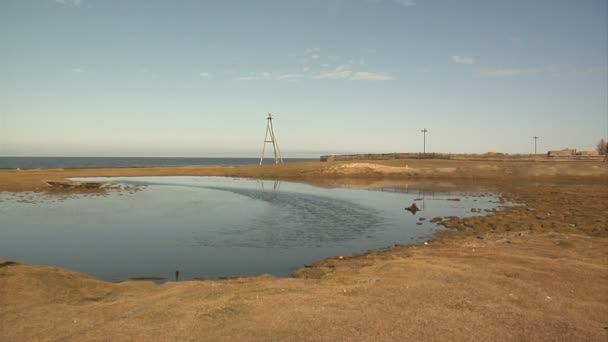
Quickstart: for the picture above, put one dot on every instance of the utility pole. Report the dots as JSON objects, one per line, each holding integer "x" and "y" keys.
{"x": 535, "y": 139}
{"x": 424, "y": 140}
{"x": 270, "y": 138}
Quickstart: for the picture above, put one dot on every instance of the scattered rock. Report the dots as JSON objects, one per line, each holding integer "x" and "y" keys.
{"x": 147, "y": 278}
{"x": 436, "y": 219}
{"x": 419, "y": 223}
{"x": 74, "y": 185}
{"x": 480, "y": 237}
{"x": 421, "y": 218}
{"x": 413, "y": 208}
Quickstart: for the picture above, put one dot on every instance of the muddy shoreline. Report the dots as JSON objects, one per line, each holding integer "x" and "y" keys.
{"x": 537, "y": 271}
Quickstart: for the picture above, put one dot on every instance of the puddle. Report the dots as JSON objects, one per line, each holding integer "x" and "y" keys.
{"x": 213, "y": 227}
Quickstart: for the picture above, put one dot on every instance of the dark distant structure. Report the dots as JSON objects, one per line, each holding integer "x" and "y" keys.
{"x": 424, "y": 140}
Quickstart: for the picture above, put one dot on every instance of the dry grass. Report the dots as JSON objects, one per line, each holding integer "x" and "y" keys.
{"x": 533, "y": 273}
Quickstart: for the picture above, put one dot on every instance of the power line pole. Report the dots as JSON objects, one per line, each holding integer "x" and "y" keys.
{"x": 424, "y": 140}
{"x": 275, "y": 145}
{"x": 535, "y": 139}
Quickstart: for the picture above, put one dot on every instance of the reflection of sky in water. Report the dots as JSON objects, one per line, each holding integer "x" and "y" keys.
{"x": 212, "y": 226}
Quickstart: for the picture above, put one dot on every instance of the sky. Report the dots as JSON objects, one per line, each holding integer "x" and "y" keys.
{"x": 197, "y": 78}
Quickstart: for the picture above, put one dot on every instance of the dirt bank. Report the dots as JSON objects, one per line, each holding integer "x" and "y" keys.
{"x": 533, "y": 272}
{"x": 34, "y": 180}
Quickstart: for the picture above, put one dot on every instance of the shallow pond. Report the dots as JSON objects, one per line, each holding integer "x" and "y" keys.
{"x": 213, "y": 227}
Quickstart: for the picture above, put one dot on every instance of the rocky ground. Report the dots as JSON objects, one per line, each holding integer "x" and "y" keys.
{"x": 538, "y": 271}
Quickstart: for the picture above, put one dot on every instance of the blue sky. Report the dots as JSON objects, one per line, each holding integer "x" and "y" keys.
{"x": 196, "y": 78}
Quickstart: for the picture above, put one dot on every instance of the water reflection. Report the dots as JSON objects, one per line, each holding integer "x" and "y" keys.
{"x": 276, "y": 185}
{"x": 213, "y": 227}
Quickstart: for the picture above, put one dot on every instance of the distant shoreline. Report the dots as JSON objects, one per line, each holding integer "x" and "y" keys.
{"x": 30, "y": 163}
{"x": 489, "y": 171}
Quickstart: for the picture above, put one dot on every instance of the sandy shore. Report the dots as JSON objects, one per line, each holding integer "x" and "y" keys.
{"x": 533, "y": 272}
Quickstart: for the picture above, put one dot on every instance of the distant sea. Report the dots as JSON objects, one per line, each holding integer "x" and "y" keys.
{"x": 94, "y": 162}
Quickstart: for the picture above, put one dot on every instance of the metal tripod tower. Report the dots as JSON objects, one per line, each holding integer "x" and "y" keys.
{"x": 275, "y": 145}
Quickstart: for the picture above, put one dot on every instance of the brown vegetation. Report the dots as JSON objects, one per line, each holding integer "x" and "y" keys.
{"x": 533, "y": 272}
{"x": 602, "y": 147}
{"x": 35, "y": 180}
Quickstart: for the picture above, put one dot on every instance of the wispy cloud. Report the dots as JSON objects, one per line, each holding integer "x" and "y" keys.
{"x": 370, "y": 76}
{"x": 205, "y": 74}
{"x": 269, "y": 76}
{"x": 289, "y": 76}
{"x": 545, "y": 70}
{"x": 509, "y": 72}
{"x": 340, "y": 73}
{"x": 78, "y": 70}
{"x": 252, "y": 76}
{"x": 311, "y": 55}
{"x": 69, "y": 2}
{"x": 346, "y": 73}
{"x": 314, "y": 66}
{"x": 404, "y": 3}
{"x": 463, "y": 60}
{"x": 601, "y": 70}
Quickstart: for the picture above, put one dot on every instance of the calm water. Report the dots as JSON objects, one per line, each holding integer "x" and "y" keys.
{"x": 212, "y": 226}
{"x": 90, "y": 162}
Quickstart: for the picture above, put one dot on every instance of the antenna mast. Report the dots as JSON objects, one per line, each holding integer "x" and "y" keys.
{"x": 270, "y": 138}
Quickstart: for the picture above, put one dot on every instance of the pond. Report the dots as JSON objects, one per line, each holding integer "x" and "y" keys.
{"x": 213, "y": 227}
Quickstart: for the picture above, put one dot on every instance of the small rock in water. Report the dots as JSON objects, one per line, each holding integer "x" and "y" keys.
{"x": 413, "y": 208}
{"x": 419, "y": 223}
{"x": 421, "y": 218}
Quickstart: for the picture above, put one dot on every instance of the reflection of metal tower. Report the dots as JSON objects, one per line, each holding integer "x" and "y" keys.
{"x": 275, "y": 145}
{"x": 276, "y": 185}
